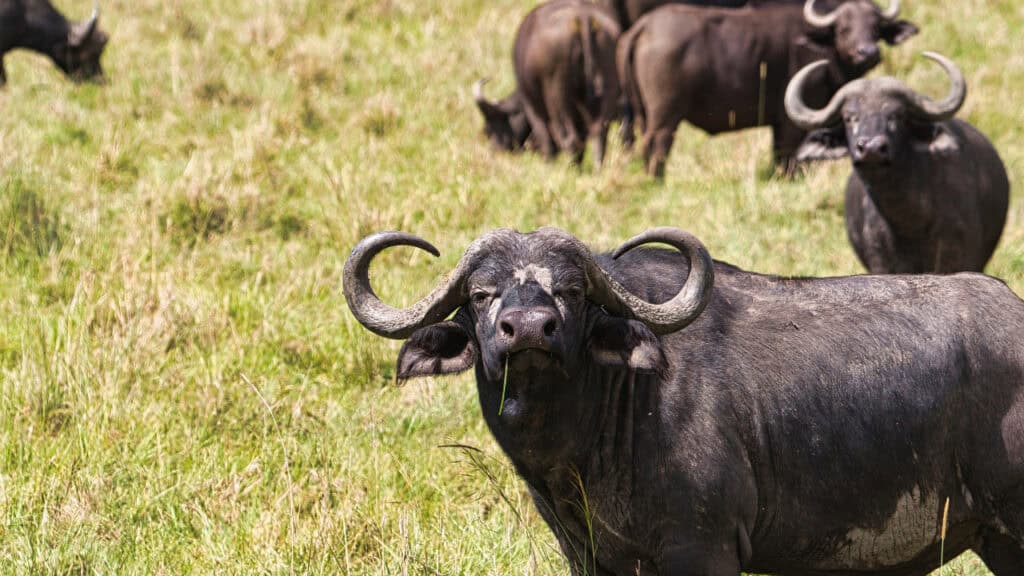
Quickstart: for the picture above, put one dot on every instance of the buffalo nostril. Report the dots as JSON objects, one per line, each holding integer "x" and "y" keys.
{"x": 861, "y": 144}
{"x": 506, "y": 329}
{"x": 550, "y": 327}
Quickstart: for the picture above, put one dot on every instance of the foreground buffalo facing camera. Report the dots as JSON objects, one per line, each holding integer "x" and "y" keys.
{"x": 718, "y": 420}
{"x": 928, "y": 192}
{"x": 727, "y": 69}
{"x": 566, "y": 86}
{"x": 36, "y": 25}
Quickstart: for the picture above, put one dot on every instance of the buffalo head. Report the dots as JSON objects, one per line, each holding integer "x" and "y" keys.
{"x": 854, "y": 29}
{"x": 79, "y": 56}
{"x": 505, "y": 123}
{"x": 874, "y": 120}
{"x": 537, "y": 303}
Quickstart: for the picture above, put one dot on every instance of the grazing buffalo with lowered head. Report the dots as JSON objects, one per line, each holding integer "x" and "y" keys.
{"x": 629, "y": 11}
{"x": 36, "y": 25}
{"x": 566, "y": 86}
{"x": 717, "y": 420}
{"x": 928, "y": 192}
{"x": 726, "y": 69}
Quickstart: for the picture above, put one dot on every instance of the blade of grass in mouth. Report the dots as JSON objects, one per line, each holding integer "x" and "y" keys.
{"x": 504, "y": 386}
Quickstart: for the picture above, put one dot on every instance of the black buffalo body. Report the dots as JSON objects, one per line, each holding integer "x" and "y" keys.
{"x": 928, "y": 192}
{"x": 629, "y": 11}
{"x": 566, "y": 86}
{"x": 36, "y": 25}
{"x": 717, "y": 420}
{"x": 727, "y": 69}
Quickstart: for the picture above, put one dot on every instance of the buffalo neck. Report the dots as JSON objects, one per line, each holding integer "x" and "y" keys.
{"x": 587, "y": 421}
{"x": 891, "y": 191}
{"x": 45, "y": 29}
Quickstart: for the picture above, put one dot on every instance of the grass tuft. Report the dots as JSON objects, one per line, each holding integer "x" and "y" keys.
{"x": 29, "y": 228}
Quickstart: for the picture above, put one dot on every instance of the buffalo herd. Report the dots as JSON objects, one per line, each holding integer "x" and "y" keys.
{"x": 675, "y": 415}
{"x": 928, "y": 192}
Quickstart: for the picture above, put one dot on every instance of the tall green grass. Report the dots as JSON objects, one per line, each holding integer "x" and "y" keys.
{"x": 181, "y": 386}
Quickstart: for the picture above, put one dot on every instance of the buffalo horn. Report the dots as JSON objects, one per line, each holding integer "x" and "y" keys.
{"x": 84, "y": 30}
{"x": 892, "y": 11}
{"x": 487, "y": 107}
{"x": 925, "y": 107}
{"x": 822, "y": 20}
{"x": 802, "y": 115}
{"x": 395, "y": 323}
{"x": 674, "y": 314}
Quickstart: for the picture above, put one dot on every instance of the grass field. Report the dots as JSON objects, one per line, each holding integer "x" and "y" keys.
{"x": 183, "y": 389}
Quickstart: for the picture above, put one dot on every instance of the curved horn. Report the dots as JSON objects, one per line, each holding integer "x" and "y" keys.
{"x": 486, "y": 107}
{"x": 395, "y": 323}
{"x": 802, "y": 115}
{"x": 892, "y": 11}
{"x": 820, "y": 20}
{"x": 684, "y": 307}
{"x": 478, "y": 90}
{"x": 86, "y": 29}
{"x": 944, "y": 109}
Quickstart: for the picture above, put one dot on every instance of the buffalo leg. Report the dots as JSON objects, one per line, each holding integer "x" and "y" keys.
{"x": 566, "y": 126}
{"x": 786, "y": 139}
{"x": 539, "y": 132}
{"x": 599, "y": 139}
{"x": 1003, "y": 555}
{"x": 627, "y": 118}
{"x": 657, "y": 145}
{"x": 3, "y": 73}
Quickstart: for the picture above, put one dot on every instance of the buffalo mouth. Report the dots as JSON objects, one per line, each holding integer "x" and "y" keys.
{"x": 872, "y": 161}
{"x": 531, "y": 359}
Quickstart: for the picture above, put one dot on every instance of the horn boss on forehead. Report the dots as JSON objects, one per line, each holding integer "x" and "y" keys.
{"x": 826, "y": 20}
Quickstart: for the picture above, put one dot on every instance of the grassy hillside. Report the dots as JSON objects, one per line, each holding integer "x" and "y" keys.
{"x": 182, "y": 388}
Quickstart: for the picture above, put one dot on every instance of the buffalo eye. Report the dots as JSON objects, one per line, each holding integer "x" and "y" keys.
{"x": 851, "y": 119}
{"x": 480, "y": 297}
{"x": 571, "y": 294}
{"x": 892, "y": 122}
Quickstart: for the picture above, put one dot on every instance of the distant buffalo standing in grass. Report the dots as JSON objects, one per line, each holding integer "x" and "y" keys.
{"x": 727, "y": 69}
{"x": 36, "y": 25}
{"x": 566, "y": 87}
{"x": 928, "y": 192}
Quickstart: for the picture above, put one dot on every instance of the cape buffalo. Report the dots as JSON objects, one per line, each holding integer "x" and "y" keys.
{"x": 727, "y": 69}
{"x": 36, "y": 25}
{"x": 716, "y": 420}
{"x": 928, "y": 192}
{"x": 566, "y": 86}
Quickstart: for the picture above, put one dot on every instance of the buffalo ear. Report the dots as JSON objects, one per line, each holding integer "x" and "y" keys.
{"x": 897, "y": 31}
{"x": 823, "y": 144}
{"x": 442, "y": 348}
{"x": 936, "y": 137}
{"x": 625, "y": 343}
